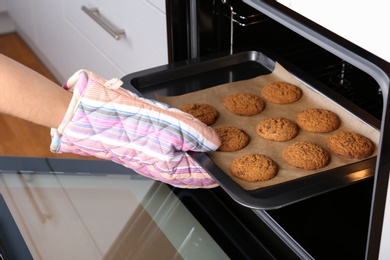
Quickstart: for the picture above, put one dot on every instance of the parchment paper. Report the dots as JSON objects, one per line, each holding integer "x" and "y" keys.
{"x": 310, "y": 99}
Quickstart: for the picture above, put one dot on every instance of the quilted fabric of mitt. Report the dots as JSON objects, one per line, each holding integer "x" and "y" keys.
{"x": 112, "y": 123}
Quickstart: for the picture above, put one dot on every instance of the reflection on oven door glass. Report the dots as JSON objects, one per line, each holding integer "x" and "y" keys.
{"x": 103, "y": 216}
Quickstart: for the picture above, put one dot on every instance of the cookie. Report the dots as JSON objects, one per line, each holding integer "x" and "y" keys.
{"x": 281, "y": 92}
{"x": 351, "y": 145}
{"x": 254, "y": 167}
{"x": 277, "y": 129}
{"x": 306, "y": 155}
{"x": 318, "y": 120}
{"x": 244, "y": 104}
{"x": 232, "y": 138}
{"x": 204, "y": 112}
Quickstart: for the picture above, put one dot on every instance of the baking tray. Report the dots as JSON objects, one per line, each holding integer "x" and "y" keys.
{"x": 193, "y": 75}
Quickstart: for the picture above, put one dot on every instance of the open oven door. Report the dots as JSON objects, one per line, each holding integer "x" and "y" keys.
{"x": 379, "y": 69}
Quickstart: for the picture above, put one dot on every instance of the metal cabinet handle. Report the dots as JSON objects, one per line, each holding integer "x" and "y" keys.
{"x": 95, "y": 15}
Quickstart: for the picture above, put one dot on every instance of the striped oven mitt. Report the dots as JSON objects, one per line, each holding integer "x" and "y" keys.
{"x": 112, "y": 123}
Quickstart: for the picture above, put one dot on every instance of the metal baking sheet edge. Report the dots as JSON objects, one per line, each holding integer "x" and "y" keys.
{"x": 279, "y": 195}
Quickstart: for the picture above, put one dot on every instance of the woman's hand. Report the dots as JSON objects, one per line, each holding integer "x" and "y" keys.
{"x": 109, "y": 122}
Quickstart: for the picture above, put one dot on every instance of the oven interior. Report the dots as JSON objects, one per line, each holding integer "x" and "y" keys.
{"x": 328, "y": 224}
{"x": 250, "y": 29}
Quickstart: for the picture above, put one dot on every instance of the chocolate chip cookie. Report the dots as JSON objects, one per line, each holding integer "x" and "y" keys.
{"x": 254, "y": 167}
{"x": 232, "y": 138}
{"x": 351, "y": 145}
{"x": 244, "y": 104}
{"x": 318, "y": 120}
{"x": 204, "y": 112}
{"x": 281, "y": 92}
{"x": 306, "y": 155}
{"x": 277, "y": 129}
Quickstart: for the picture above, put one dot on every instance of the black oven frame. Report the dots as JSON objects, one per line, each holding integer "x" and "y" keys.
{"x": 373, "y": 65}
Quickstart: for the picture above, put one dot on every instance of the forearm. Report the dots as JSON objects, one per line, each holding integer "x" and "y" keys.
{"x": 29, "y": 95}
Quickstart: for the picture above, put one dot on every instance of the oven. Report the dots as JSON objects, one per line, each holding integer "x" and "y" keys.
{"x": 99, "y": 210}
{"x": 215, "y": 42}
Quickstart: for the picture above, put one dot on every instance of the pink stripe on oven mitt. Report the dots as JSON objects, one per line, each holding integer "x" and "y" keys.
{"x": 112, "y": 123}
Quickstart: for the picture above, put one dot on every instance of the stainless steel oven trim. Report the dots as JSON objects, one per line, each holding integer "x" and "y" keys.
{"x": 283, "y": 235}
{"x": 194, "y": 46}
{"x": 371, "y": 64}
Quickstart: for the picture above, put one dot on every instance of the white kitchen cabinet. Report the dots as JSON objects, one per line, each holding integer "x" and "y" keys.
{"x": 67, "y": 39}
{"x": 3, "y": 7}
{"x": 20, "y": 11}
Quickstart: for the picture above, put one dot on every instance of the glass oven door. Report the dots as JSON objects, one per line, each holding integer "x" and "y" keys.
{"x": 99, "y": 215}
{"x": 66, "y": 208}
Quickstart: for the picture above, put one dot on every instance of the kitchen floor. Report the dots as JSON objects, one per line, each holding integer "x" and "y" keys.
{"x": 19, "y": 137}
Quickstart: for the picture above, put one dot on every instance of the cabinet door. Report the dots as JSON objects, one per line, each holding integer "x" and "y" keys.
{"x": 144, "y": 44}
{"x": 61, "y": 46}
{"x": 67, "y": 39}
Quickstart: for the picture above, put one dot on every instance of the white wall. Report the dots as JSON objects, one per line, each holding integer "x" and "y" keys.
{"x": 2, "y": 6}
{"x": 362, "y": 22}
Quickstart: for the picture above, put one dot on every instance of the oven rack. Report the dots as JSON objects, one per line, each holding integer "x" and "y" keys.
{"x": 238, "y": 17}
